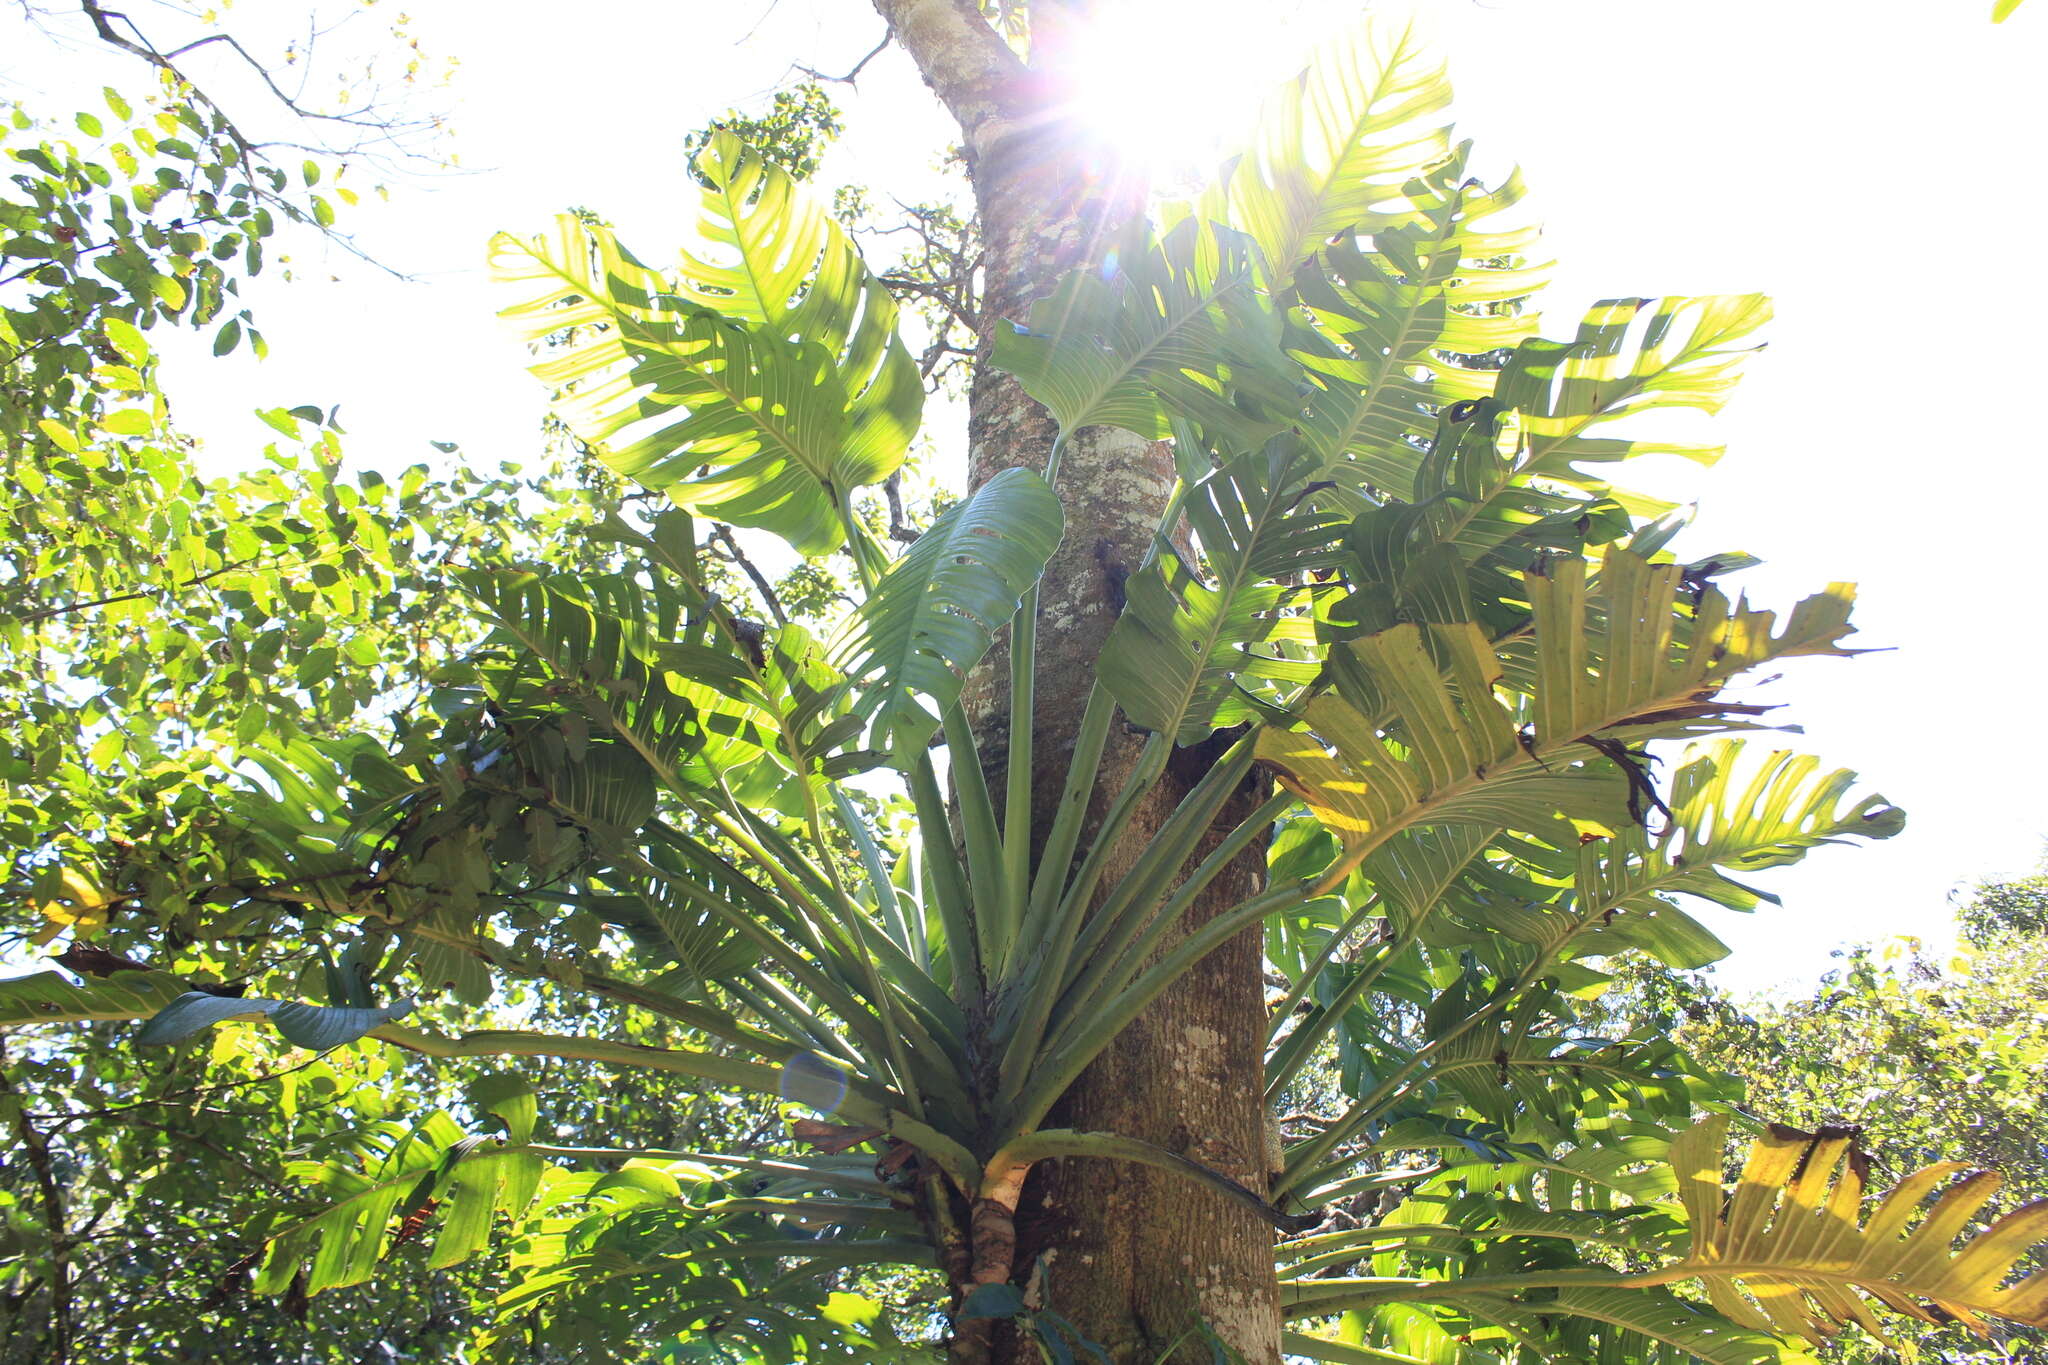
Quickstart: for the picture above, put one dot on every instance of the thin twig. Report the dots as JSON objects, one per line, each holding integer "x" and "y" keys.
{"x": 248, "y": 150}
{"x": 140, "y": 46}
{"x": 853, "y": 76}
{"x": 179, "y": 1096}
{"x": 67, "y": 608}
{"x": 41, "y": 263}
{"x": 723, "y": 534}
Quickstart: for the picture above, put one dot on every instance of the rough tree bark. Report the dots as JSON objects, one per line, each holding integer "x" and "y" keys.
{"x": 1139, "y": 1257}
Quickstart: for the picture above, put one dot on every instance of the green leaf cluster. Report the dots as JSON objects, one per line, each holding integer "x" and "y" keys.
{"x": 1425, "y": 647}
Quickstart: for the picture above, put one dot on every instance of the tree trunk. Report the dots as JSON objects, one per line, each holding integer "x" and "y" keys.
{"x": 1142, "y": 1257}
{"x": 1139, "y": 1259}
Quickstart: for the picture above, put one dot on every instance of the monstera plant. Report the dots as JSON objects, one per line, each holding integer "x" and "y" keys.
{"x": 1371, "y": 713}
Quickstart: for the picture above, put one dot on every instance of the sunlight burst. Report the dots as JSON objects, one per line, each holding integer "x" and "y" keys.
{"x": 1172, "y": 84}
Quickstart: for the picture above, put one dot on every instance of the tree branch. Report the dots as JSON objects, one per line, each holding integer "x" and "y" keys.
{"x": 900, "y": 530}
{"x": 67, "y": 608}
{"x": 940, "y": 292}
{"x": 853, "y": 76}
{"x": 369, "y": 125}
{"x": 183, "y": 1097}
{"x": 289, "y": 101}
{"x": 723, "y": 534}
{"x": 36, "y": 1148}
{"x": 103, "y": 21}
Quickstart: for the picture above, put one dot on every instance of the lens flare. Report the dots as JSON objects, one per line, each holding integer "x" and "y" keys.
{"x": 808, "y": 1079}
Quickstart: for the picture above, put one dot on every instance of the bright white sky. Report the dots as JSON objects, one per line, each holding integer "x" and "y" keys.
{"x": 1865, "y": 164}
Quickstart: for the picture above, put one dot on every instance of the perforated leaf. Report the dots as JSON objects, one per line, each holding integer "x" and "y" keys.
{"x": 1630, "y": 356}
{"x": 788, "y": 264}
{"x": 1172, "y": 326}
{"x": 1200, "y": 631}
{"x": 1458, "y": 759}
{"x": 1392, "y": 330}
{"x": 429, "y": 1175}
{"x": 1623, "y": 653}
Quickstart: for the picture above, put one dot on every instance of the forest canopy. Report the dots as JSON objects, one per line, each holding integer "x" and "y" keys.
{"x": 1231, "y": 884}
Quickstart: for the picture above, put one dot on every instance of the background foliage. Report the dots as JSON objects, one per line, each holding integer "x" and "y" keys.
{"x": 554, "y": 754}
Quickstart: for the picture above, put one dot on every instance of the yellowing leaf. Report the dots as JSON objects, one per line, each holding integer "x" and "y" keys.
{"x": 80, "y": 906}
{"x": 850, "y": 1310}
{"x": 1791, "y": 1250}
{"x": 60, "y": 436}
{"x": 170, "y": 290}
{"x": 128, "y": 340}
{"x": 127, "y": 422}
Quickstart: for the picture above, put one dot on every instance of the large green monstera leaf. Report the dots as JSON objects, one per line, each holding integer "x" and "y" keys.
{"x": 761, "y": 388}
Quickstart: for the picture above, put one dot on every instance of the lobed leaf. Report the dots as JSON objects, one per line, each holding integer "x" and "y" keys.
{"x": 760, "y": 390}
{"x": 1186, "y": 657}
{"x": 1333, "y": 153}
{"x": 1793, "y": 1250}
